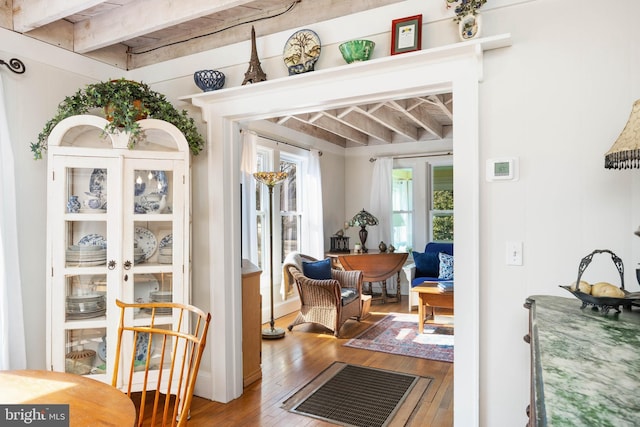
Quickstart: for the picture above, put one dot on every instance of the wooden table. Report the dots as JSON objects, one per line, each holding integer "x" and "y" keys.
{"x": 91, "y": 402}
{"x": 375, "y": 267}
{"x": 429, "y": 296}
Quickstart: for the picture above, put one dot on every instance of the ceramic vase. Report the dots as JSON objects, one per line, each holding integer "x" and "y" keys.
{"x": 469, "y": 26}
{"x": 73, "y": 205}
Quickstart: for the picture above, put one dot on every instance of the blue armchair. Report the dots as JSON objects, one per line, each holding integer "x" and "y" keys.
{"x": 427, "y": 267}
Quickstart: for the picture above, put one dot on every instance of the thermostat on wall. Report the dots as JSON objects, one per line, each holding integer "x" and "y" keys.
{"x": 504, "y": 169}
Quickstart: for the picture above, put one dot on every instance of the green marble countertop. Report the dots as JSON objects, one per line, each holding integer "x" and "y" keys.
{"x": 586, "y": 365}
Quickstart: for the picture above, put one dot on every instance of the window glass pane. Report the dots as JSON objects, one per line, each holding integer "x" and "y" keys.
{"x": 260, "y": 240}
{"x": 442, "y": 204}
{"x": 402, "y": 200}
{"x": 443, "y": 227}
{"x": 289, "y": 235}
{"x": 288, "y": 188}
{"x": 443, "y": 188}
{"x": 289, "y": 209}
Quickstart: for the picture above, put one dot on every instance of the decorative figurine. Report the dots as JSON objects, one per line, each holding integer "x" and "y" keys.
{"x": 254, "y": 74}
{"x": 382, "y": 247}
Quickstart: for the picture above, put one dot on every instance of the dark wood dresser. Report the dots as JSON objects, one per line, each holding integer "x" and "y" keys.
{"x": 585, "y": 366}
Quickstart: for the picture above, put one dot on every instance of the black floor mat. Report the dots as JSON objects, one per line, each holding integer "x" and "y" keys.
{"x": 358, "y": 396}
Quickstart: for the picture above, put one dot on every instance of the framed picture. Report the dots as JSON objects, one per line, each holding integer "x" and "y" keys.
{"x": 406, "y": 34}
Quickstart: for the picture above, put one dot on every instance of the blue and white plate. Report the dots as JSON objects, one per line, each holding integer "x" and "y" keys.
{"x": 98, "y": 182}
{"x": 146, "y": 241}
{"x": 166, "y": 241}
{"x": 93, "y": 240}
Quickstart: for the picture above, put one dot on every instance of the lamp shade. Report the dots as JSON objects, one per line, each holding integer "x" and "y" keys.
{"x": 270, "y": 178}
{"x": 363, "y": 218}
{"x": 625, "y": 152}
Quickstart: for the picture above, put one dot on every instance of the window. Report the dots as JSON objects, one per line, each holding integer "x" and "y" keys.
{"x": 402, "y": 217}
{"x": 441, "y": 212}
{"x": 422, "y": 197}
{"x": 287, "y": 214}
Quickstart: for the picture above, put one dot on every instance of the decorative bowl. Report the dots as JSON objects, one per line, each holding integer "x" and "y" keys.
{"x": 208, "y": 80}
{"x": 79, "y": 362}
{"x": 356, "y": 50}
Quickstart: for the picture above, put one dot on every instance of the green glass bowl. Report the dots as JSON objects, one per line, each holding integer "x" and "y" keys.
{"x": 356, "y": 50}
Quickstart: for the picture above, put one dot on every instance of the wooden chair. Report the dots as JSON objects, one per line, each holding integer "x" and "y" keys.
{"x": 163, "y": 364}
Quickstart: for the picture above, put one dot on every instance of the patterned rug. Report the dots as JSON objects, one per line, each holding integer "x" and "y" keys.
{"x": 397, "y": 333}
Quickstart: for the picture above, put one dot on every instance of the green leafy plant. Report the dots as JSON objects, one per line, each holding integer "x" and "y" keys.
{"x": 465, "y": 7}
{"x": 123, "y": 102}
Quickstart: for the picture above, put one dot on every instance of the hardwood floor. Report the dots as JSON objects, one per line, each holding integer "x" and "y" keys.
{"x": 289, "y": 363}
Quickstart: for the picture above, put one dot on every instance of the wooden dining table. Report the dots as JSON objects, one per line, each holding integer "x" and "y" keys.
{"x": 91, "y": 402}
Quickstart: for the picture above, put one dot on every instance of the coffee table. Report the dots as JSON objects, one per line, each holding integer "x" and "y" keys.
{"x": 429, "y": 296}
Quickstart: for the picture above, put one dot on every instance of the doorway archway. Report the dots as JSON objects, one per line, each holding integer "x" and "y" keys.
{"x": 456, "y": 69}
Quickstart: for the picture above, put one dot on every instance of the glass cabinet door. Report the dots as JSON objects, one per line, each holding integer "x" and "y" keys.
{"x": 153, "y": 221}
{"x": 84, "y": 253}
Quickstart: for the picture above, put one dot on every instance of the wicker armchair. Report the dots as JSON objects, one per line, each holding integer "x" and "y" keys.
{"x": 329, "y": 302}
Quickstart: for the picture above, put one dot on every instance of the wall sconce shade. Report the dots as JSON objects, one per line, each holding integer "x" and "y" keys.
{"x": 625, "y": 152}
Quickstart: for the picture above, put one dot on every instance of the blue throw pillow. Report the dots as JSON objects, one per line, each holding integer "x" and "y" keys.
{"x": 426, "y": 264}
{"x": 446, "y": 266}
{"x": 318, "y": 270}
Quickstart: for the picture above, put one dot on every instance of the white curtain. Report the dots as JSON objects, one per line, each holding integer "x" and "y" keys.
{"x": 247, "y": 168}
{"x": 312, "y": 242}
{"x": 381, "y": 202}
{"x": 12, "y": 343}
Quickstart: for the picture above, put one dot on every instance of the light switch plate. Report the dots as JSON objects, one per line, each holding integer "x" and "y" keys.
{"x": 514, "y": 253}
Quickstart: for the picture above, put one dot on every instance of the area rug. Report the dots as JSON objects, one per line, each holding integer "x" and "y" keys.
{"x": 397, "y": 333}
{"x": 359, "y": 396}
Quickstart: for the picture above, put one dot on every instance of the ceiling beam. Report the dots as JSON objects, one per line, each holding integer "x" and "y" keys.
{"x": 352, "y": 117}
{"x": 124, "y": 23}
{"x": 420, "y": 117}
{"x": 30, "y": 14}
{"x": 392, "y": 119}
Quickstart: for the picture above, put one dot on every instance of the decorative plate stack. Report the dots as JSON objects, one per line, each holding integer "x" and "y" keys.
{"x": 161, "y": 296}
{"x": 165, "y": 253}
{"x": 85, "y": 306}
{"x": 86, "y": 255}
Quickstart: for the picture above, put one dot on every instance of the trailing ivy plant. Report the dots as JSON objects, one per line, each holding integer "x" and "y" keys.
{"x": 123, "y": 102}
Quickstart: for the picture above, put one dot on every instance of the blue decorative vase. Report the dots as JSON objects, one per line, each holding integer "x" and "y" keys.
{"x": 73, "y": 205}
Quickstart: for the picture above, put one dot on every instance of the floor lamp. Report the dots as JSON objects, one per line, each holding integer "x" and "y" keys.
{"x": 271, "y": 179}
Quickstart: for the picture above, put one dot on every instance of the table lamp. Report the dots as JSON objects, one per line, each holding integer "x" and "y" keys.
{"x": 363, "y": 218}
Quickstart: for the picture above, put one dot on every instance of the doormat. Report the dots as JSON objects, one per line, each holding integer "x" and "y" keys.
{"x": 397, "y": 333}
{"x": 359, "y": 396}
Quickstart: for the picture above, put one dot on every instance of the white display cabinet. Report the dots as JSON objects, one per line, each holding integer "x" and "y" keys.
{"x": 118, "y": 227}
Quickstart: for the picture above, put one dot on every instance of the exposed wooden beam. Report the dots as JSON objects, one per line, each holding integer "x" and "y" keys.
{"x": 6, "y": 14}
{"x": 419, "y": 116}
{"x": 438, "y": 101}
{"x": 353, "y": 118}
{"x": 392, "y": 119}
{"x": 124, "y": 23}
{"x": 315, "y": 132}
{"x": 30, "y": 14}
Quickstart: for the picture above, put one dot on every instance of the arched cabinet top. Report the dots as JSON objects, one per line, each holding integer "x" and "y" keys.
{"x": 87, "y": 131}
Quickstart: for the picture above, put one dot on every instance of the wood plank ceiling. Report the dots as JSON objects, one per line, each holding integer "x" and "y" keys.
{"x": 134, "y": 33}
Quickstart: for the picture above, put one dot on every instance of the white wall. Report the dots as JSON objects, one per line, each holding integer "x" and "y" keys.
{"x": 556, "y": 99}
